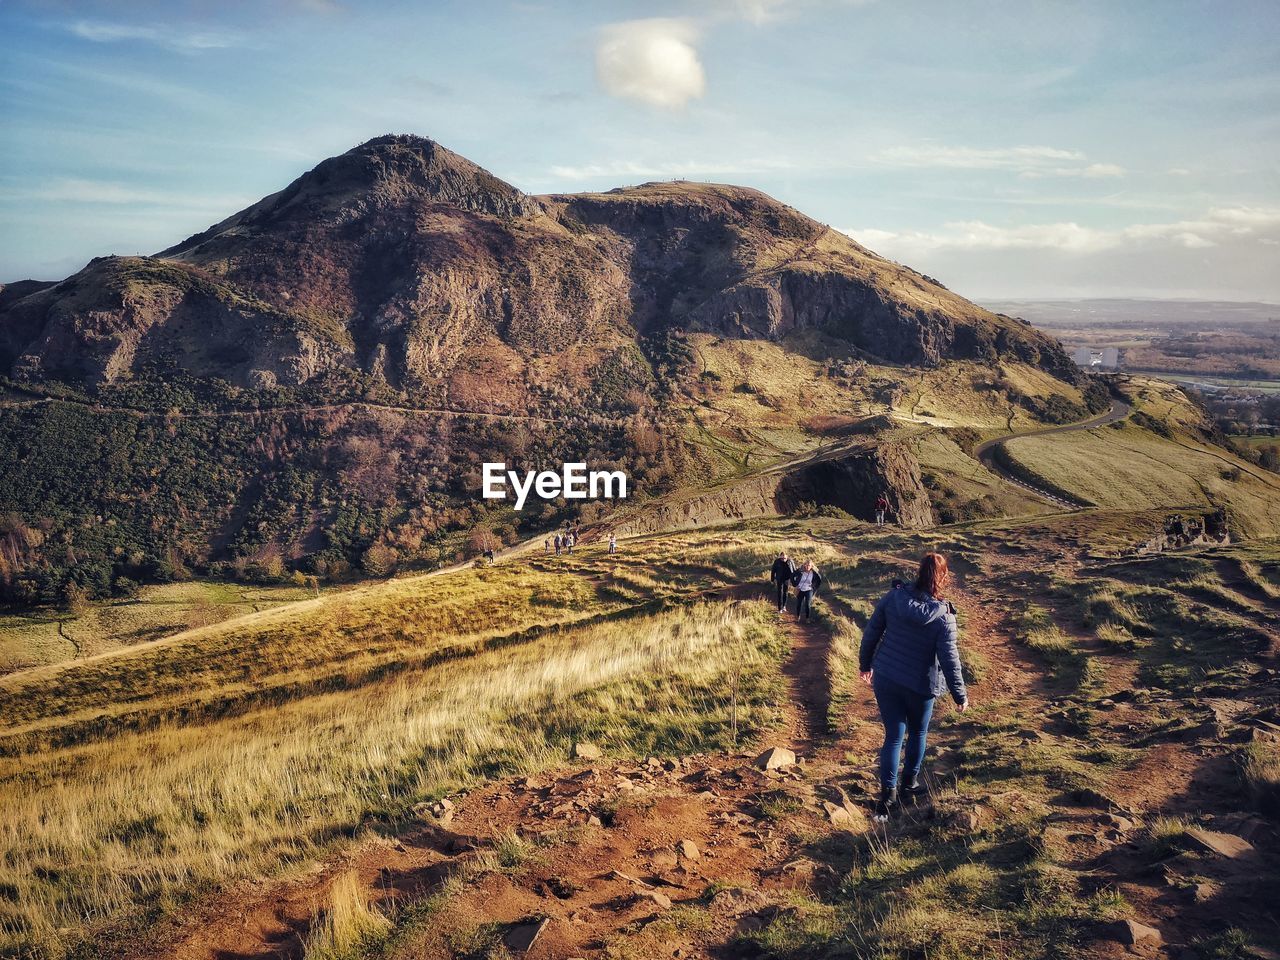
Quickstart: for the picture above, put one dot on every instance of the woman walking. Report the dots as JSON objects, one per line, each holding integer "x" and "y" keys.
{"x": 909, "y": 656}
{"x": 806, "y": 580}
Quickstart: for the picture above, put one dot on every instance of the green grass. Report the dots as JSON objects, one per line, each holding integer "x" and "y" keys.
{"x": 1037, "y": 631}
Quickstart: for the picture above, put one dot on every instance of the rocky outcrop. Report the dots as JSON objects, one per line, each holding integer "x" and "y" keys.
{"x": 855, "y": 480}
{"x": 850, "y": 481}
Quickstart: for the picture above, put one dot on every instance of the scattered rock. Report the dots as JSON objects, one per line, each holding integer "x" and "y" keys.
{"x": 1203, "y": 892}
{"x": 656, "y": 897}
{"x": 1263, "y": 730}
{"x": 663, "y": 860}
{"x": 1130, "y": 933}
{"x": 839, "y": 816}
{"x": 586, "y": 751}
{"x": 1088, "y": 797}
{"x": 625, "y": 877}
{"x": 1223, "y": 844}
{"x": 775, "y": 758}
{"x": 689, "y": 850}
{"x": 523, "y": 936}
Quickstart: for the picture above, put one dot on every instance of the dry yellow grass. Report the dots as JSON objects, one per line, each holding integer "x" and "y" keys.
{"x": 349, "y": 926}
{"x": 97, "y": 831}
{"x": 270, "y": 657}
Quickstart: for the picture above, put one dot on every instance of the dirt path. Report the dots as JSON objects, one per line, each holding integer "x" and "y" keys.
{"x": 595, "y": 885}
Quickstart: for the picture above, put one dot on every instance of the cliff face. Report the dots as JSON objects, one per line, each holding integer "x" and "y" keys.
{"x": 851, "y": 482}
{"x": 404, "y": 263}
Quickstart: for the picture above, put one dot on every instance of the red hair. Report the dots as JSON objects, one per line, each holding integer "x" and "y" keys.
{"x": 934, "y": 575}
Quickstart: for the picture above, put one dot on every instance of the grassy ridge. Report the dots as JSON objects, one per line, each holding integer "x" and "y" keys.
{"x": 146, "y": 818}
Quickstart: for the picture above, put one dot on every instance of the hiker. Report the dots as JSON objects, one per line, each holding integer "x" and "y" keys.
{"x": 488, "y": 554}
{"x": 546, "y": 545}
{"x": 882, "y": 508}
{"x": 613, "y": 544}
{"x": 559, "y": 544}
{"x": 908, "y": 657}
{"x": 780, "y": 576}
{"x": 570, "y": 540}
{"x": 806, "y": 580}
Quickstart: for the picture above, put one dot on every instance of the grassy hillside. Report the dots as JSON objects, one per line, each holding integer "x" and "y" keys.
{"x": 274, "y": 740}
{"x": 1158, "y": 457}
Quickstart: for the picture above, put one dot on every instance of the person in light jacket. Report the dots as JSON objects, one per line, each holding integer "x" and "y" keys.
{"x": 909, "y": 656}
{"x": 806, "y": 580}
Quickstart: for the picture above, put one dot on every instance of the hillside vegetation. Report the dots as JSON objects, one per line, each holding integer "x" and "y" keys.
{"x": 1090, "y": 674}
{"x": 311, "y": 384}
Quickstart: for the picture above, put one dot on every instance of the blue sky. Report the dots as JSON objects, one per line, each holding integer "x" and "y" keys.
{"x": 1010, "y": 149}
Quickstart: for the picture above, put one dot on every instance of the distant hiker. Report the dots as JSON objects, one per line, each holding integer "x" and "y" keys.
{"x": 909, "y": 656}
{"x": 559, "y": 544}
{"x": 488, "y": 554}
{"x": 613, "y": 544}
{"x": 882, "y": 508}
{"x": 546, "y": 545}
{"x": 780, "y": 577}
{"x": 806, "y": 580}
{"x": 570, "y": 540}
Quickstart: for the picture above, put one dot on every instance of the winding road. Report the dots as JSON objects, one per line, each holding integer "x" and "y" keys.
{"x": 985, "y": 452}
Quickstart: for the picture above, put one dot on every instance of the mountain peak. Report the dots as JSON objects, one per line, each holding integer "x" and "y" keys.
{"x": 395, "y": 168}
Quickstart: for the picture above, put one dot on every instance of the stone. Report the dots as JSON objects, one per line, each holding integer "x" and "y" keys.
{"x": 1223, "y": 844}
{"x": 1088, "y": 797}
{"x": 689, "y": 850}
{"x": 1130, "y": 932}
{"x": 839, "y": 816}
{"x": 663, "y": 860}
{"x": 775, "y": 758}
{"x": 656, "y": 897}
{"x": 1264, "y": 731}
{"x": 523, "y": 936}
{"x": 586, "y": 751}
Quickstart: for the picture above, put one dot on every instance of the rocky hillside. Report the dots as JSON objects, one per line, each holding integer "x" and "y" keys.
{"x": 311, "y": 384}
{"x": 403, "y": 263}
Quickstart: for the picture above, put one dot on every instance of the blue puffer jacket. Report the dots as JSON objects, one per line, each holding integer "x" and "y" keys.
{"x": 911, "y": 639}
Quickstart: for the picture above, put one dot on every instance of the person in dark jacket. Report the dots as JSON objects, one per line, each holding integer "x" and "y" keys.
{"x": 909, "y": 656}
{"x": 780, "y": 577}
{"x": 806, "y": 580}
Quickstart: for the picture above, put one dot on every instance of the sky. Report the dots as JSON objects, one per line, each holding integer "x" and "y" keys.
{"x": 1009, "y": 148}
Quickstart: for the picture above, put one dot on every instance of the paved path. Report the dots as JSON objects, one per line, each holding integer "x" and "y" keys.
{"x": 986, "y": 451}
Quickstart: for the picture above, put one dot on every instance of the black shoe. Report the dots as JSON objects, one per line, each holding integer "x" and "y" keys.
{"x": 887, "y": 804}
{"x": 916, "y": 788}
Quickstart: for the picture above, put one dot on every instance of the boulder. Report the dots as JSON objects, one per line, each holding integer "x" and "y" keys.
{"x": 586, "y": 751}
{"x": 839, "y": 816}
{"x": 656, "y": 897}
{"x": 689, "y": 850}
{"x": 523, "y": 936}
{"x": 1222, "y": 844}
{"x": 775, "y": 758}
{"x": 1131, "y": 933}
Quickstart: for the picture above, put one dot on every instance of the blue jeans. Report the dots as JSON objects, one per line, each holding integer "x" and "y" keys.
{"x": 804, "y": 604}
{"x": 905, "y": 715}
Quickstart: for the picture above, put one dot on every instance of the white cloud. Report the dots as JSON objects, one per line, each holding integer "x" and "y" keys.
{"x": 1217, "y": 226}
{"x": 185, "y": 41}
{"x": 652, "y": 61}
{"x": 1026, "y": 161}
